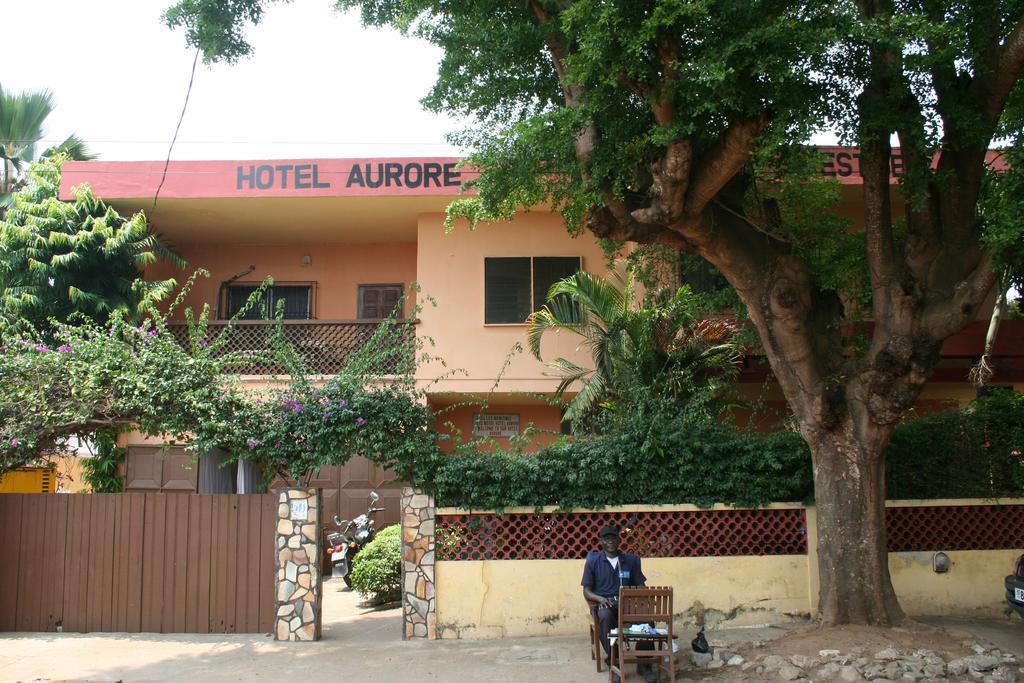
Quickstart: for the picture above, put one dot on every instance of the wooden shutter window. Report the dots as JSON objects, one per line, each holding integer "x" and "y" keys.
{"x": 379, "y": 301}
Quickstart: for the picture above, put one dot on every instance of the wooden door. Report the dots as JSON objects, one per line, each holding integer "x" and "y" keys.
{"x": 346, "y": 491}
{"x": 154, "y": 468}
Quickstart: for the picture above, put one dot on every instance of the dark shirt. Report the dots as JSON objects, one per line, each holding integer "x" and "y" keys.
{"x": 601, "y": 578}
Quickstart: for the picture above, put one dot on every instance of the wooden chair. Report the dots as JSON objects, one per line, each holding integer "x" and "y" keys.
{"x": 644, "y": 606}
{"x": 595, "y": 640}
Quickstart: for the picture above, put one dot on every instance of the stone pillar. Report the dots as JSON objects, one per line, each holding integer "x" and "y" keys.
{"x": 419, "y": 605}
{"x": 298, "y": 587}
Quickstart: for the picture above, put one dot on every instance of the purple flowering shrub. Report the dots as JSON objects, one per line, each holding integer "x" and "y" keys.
{"x": 83, "y": 378}
{"x": 296, "y": 430}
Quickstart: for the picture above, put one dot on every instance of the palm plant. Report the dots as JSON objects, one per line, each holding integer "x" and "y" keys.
{"x": 21, "y": 128}
{"x": 82, "y": 257}
{"x": 662, "y": 344}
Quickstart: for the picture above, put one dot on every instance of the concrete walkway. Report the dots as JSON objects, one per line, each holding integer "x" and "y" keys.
{"x": 359, "y": 644}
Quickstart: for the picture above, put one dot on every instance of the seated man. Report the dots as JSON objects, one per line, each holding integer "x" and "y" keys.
{"x": 604, "y": 572}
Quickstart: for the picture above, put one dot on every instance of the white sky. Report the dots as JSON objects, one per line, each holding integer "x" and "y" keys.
{"x": 316, "y": 85}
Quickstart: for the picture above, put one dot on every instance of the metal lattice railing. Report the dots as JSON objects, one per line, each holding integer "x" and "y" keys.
{"x": 325, "y": 346}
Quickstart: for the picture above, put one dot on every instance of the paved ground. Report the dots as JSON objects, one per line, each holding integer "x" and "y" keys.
{"x": 1007, "y": 634}
{"x": 359, "y": 644}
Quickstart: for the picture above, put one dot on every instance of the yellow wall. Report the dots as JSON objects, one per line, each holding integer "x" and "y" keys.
{"x": 28, "y": 480}
{"x": 973, "y": 587}
{"x": 509, "y": 598}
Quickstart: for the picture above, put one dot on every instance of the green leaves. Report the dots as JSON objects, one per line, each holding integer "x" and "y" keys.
{"x": 62, "y": 259}
{"x": 659, "y": 350}
{"x": 659, "y": 455}
{"x": 101, "y": 472}
{"x": 671, "y": 460}
{"x": 83, "y": 378}
{"x": 377, "y": 570}
{"x": 216, "y": 27}
{"x": 1000, "y": 211}
{"x": 296, "y": 430}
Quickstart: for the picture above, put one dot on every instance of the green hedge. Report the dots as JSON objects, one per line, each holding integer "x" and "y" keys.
{"x": 377, "y": 569}
{"x": 972, "y": 452}
{"x": 676, "y": 463}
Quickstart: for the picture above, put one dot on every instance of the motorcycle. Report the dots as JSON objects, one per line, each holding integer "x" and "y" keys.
{"x": 356, "y": 533}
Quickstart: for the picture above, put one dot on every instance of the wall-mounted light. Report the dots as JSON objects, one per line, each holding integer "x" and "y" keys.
{"x": 307, "y": 260}
{"x": 941, "y": 563}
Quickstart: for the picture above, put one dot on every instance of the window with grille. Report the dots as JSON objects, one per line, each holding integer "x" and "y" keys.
{"x": 379, "y": 301}
{"x": 514, "y": 287}
{"x": 296, "y": 300}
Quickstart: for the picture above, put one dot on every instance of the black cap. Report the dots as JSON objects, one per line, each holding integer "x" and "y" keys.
{"x": 608, "y": 531}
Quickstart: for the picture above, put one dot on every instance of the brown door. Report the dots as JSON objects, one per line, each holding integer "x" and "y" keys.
{"x": 346, "y": 491}
{"x": 154, "y": 468}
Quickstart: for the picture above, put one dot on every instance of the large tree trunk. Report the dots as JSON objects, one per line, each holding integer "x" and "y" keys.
{"x": 846, "y": 424}
{"x": 849, "y": 485}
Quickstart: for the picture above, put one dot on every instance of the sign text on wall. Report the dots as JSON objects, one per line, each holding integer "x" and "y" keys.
{"x": 496, "y": 424}
{"x": 842, "y": 164}
{"x": 283, "y": 176}
{"x": 413, "y": 174}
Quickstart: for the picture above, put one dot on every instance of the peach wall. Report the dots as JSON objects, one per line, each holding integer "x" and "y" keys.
{"x": 450, "y": 268}
{"x": 337, "y": 270}
{"x": 453, "y": 421}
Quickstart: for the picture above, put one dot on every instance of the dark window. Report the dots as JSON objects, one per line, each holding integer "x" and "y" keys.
{"x": 295, "y": 299}
{"x": 379, "y": 301}
{"x": 506, "y": 290}
{"x": 515, "y": 287}
{"x": 237, "y": 296}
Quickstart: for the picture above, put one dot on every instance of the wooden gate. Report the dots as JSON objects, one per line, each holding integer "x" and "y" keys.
{"x": 346, "y": 491}
{"x": 163, "y": 563}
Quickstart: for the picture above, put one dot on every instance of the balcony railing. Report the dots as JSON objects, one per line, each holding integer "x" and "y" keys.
{"x": 325, "y": 346}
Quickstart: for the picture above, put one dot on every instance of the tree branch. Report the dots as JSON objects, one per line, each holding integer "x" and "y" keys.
{"x": 994, "y": 87}
{"x": 613, "y": 221}
{"x": 722, "y": 163}
{"x": 947, "y": 315}
{"x": 881, "y": 251}
{"x": 670, "y": 179}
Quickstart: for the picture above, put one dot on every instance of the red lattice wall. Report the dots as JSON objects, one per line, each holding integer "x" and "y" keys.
{"x": 711, "y": 533}
{"x": 955, "y": 527}
{"x": 554, "y": 536}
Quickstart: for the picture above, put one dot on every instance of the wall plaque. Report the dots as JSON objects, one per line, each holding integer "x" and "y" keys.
{"x": 300, "y": 510}
{"x": 496, "y": 424}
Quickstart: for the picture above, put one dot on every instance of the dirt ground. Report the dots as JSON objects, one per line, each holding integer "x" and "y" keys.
{"x": 866, "y": 640}
{"x": 949, "y": 641}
